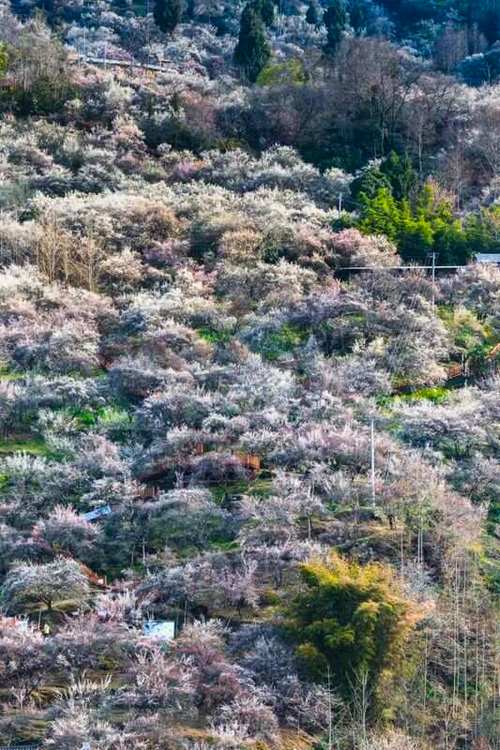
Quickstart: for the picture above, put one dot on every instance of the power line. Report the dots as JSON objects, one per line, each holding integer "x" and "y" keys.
{"x": 433, "y": 267}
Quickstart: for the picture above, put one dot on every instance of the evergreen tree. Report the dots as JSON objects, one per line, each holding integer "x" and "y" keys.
{"x": 428, "y": 224}
{"x": 369, "y": 182}
{"x": 335, "y": 20}
{"x": 380, "y": 214}
{"x": 414, "y": 234}
{"x": 312, "y": 16}
{"x": 265, "y": 9}
{"x": 49, "y": 8}
{"x": 121, "y": 6}
{"x": 365, "y": 16}
{"x": 25, "y": 10}
{"x": 483, "y": 230}
{"x": 252, "y": 52}
{"x": 489, "y": 24}
{"x": 167, "y": 14}
{"x": 400, "y": 173}
{"x": 20, "y": 9}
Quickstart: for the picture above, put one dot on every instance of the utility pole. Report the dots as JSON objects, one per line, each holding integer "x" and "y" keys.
{"x": 373, "y": 462}
{"x": 148, "y": 37}
{"x": 433, "y": 280}
{"x": 330, "y": 712}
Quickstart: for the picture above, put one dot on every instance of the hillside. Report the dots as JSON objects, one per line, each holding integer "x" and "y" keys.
{"x": 249, "y": 392}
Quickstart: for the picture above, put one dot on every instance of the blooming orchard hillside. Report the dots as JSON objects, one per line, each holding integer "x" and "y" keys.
{"x": 211, "y": 423}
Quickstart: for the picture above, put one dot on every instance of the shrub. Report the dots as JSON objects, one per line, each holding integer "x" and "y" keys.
{"x": 349, "y": 619}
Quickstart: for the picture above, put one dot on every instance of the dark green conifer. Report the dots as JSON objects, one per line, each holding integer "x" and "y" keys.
{"x": 121, "y": 6}
{"x": 252, "y": 52}
{"x": 167, "y": 14}
{"x": 335, "y": 20}
{"x": 312, "y": 16}
{"x": 400, "y": 173}
{"x": 265, "y": 9}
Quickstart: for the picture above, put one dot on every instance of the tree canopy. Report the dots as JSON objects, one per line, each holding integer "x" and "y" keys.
{"x": 349, "y": 621}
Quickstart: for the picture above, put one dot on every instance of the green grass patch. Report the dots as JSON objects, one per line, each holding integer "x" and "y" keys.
{"x": 213, "y": 336}
{"x": 85, "y": 417}
{"x": 6, "y": 374}
{"x": 110, "y": 418}
{"x": 436, "y": 394}
{"x": 115, "y": 419}
{"x": 28, "y": 727}
{"x": 260, "y": 487}
{"x": 225, "y": 546}
{"x": 33, "y": 446}
{"x": 274, "y": 345}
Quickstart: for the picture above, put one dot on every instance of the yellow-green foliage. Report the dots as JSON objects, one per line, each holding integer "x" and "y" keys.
{"x": 467, "y": 331}
{"x": 350, "y": 619}
{"x": 4, "y": 60}
{"x": 279, "y": 74}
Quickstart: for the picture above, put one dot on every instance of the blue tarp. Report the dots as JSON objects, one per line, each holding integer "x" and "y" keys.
{"x": 97, "y": 513}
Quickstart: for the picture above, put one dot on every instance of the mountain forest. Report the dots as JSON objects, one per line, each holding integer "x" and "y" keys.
{"x": 249, "y": 384}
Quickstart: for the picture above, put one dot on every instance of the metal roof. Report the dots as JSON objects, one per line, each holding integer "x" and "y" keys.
{"x": 488, "y": 258}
